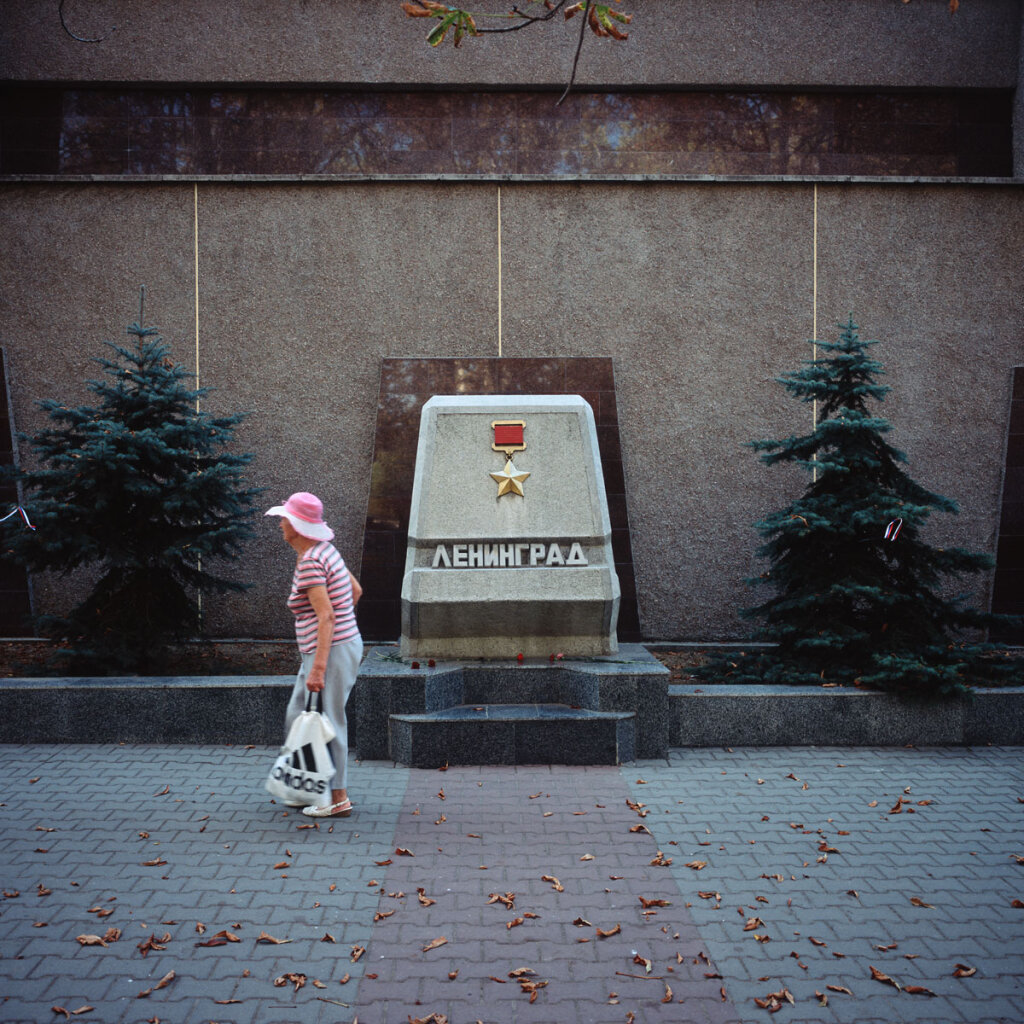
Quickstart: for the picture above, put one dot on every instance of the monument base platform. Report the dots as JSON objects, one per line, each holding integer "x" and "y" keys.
{"x": 512, "y": 734}
{"x": 598, "y": 710}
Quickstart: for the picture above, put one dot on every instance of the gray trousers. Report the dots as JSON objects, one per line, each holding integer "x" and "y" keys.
{"x": 340, "y": 677}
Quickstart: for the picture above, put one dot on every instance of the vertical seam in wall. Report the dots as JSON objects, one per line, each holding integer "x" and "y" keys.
{"x": 195, "y": 265}
{"x": 499, "y": 271}
{"x": 814, "y": 309}
{"x": 814, "y": 290}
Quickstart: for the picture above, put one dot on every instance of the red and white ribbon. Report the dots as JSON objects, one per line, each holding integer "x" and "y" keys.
{"x": 892, "y": 531}
{"x": 18, "y": 511}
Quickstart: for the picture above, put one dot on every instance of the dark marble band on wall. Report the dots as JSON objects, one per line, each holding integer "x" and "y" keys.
{"x": 1008, "y": 591}
{"x": 405, "y": 385}
{"x": 948, "y": 133}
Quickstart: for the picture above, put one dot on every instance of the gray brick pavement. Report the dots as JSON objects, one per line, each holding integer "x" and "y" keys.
{"x": 847, "y": 871}
{"x": 789, "y": 837}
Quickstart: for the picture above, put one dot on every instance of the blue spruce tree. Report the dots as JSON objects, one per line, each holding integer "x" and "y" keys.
{"x": 140, "y": 489}
{"x": 858, "y": 593}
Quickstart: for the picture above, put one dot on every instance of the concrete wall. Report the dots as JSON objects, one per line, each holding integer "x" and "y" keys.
{"x": 701, "y": 293}
{"x": 682, "y": 42}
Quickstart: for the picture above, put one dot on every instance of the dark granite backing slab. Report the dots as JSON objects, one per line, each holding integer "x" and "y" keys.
{"x": 405, "y": 385}
{"x": 15, "y": 605}
{"x": 1008, "y": 589}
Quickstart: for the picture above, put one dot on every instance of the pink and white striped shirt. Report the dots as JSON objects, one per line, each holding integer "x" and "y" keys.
{"x": 321, "y": 565}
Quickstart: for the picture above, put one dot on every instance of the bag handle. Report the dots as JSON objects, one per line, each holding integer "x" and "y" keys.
{"x": 319, "y": 700}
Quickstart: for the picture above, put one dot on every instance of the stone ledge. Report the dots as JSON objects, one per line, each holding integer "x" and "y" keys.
{"x": 144, "y": 709}
{"x": 250, "y": 709}
{"x": 774, "y": 716}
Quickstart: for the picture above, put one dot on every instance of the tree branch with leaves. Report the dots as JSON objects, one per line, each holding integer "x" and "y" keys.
{"x": 603, "y": 20}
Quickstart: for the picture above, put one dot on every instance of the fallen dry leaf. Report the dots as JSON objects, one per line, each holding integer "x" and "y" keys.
{"x": 582, "y": 922}
{"x": 434, "y": 1018}
{"x": 433, "y": 944}
{"x": 667, "y": 997}
{"x": 641, "y": 828}
{"x": 918, "y": 990}
{"x": 383, "y": 863}
{"x": 603, "y": 934}
{"x": 964, "y": 971}
{"x": 532, "y": 987}
{"x": 839, "y": 988}
{"x": 555, "y": 883}
{"x": 154, "y": 942}
{"x": 514, "y": 923}
{"x": 158, "y": 862}
{"x": 643, "y": 962}
{"x": 357, "y": 952}
{"x": 639, "y": 808}
{"x": 162, "y": 983}
{"x": 752, "y": 923}
{"x": 291, "y": 978}
{"x": 696, "y": 865}
{"x": 401, "y": 851}
{"x": 281, "y": 865}
{"x": 222, "y": 938}
{"x": 90, "y": 940}
{"x": 507, "y": 899}
{"x": 884, "y": 978}
{"x": 381, "y": 915}
{"x": 270, "y": 940}
{"x": 424, "y": 899}
{"x": 916, "y": 901}
{"x": 772, "y": 1002}
{"x": 645, "y": 903}
{"x": 588, "y": 856}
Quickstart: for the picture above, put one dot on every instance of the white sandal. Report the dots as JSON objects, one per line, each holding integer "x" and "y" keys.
{"x": 342, "y": 809}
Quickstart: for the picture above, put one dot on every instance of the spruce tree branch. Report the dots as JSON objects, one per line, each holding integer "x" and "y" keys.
{"x": 80, "y": 39}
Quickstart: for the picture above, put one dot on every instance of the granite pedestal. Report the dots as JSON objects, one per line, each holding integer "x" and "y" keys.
{"x": 599, "y": 710}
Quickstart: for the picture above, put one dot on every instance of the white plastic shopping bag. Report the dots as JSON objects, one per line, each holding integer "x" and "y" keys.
{"x": 304, "y": 769}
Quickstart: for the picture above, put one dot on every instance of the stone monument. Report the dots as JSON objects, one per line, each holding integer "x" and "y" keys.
{"x": 509, "y": 536}
{"x": 508, "y": 652}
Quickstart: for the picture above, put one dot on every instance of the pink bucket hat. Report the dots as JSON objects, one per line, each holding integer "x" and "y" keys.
{"x": 305, "y": 512}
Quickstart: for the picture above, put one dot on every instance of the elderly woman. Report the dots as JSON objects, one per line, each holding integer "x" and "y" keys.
{"x": 322, "y": 599}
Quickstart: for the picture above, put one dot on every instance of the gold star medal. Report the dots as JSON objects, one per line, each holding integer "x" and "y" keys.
{"x": 508, "y": 438}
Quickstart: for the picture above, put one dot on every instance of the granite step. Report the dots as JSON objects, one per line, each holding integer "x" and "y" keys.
{"x": 512, "y": 734}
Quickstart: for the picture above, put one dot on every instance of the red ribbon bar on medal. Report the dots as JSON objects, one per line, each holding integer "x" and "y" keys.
{"x": 508, "y": 436}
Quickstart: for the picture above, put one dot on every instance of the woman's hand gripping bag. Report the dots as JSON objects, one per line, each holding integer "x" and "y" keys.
{"x": 304, "y": 769}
